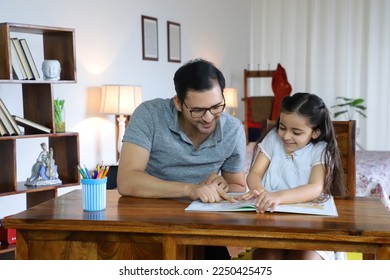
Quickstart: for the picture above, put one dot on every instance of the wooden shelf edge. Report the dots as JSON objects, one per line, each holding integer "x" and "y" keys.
{"x": 5, "y": 81}
{"x": 33, "y": 28}
{"x": 66, "y": 134}
{"x": 5, "y": 248}
{"x": 24, "y": 189}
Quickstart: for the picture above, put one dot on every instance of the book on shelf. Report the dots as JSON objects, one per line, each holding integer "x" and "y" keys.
{"x": 15, "y": 128}
{"x": 17, "y": 65}
{"x": 327, "y": 208}
{"x": 3, "y": 131}
{"x": 7, "y": 125}
{"x": 27, "y": 123}
{"x": 23, "y": 58}
{"x": 30, "y": 59}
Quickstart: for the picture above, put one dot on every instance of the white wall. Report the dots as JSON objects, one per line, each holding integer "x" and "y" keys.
{"x": 109, "y": 50}
{"x": 331, "y": 48}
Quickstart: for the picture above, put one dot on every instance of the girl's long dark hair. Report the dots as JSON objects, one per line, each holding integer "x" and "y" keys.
{"x": 312, "y": 108}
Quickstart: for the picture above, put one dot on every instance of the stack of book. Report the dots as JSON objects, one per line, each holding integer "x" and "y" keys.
{"x": 23, "y": 65}
{"x": 9, "y": 123}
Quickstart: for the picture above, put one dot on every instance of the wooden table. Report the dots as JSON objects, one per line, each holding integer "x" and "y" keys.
{"x": 135, "y": 228}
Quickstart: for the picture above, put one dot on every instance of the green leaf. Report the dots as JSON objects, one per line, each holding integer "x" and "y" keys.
{"x": 350, "y": 105}
{"x": 340, "y": 113}
{"x": 58, "y": 107}
{"x": 357, "y": 102}
{"x": 361, "y": 107}
{"x": 361, "y": 113}
{"x": 344, "y": 98}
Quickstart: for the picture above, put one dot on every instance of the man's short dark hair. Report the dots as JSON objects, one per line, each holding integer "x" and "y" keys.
{"x": 197, "y": 75}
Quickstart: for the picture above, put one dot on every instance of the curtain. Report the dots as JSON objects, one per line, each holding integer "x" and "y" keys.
{"x": 330, "y": 48}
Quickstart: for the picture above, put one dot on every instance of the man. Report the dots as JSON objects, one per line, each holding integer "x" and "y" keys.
{"x": 176, "y": 147}
{"x": 185, "y": 146}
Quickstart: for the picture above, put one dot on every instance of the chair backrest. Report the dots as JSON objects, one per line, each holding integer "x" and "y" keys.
{"x": 260, "y": 107}
{"x": 346, "y": 142}
{"x": 248, "y": 74}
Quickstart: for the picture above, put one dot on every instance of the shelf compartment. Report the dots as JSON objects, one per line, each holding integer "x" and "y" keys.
{"x": 58, "y": 43}
{"x": 7, "y": 251}
{"x": 66, "y": 151}
{"x": 66, "y": 155}
{"x": 38, "y": 106}
{"x": 7, "y": 165}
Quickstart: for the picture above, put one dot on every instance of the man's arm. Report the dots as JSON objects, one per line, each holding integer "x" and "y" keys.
{"x": 133, "y": 181}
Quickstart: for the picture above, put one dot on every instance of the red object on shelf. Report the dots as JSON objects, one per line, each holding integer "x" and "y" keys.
{"x": 7, "y": 235}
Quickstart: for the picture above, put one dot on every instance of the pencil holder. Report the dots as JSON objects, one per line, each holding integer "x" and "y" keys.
{"x": 94, "y": 194}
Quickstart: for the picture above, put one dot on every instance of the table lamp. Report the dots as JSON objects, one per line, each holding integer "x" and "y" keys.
{"x": 230, "y": 95}
{"x": 120, "y": 100}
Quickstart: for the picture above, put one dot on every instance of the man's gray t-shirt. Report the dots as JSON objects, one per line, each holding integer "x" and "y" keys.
{"x": 155, "y": 127}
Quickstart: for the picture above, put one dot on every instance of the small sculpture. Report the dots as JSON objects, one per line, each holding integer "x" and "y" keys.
{"x": 51, "y": 70}
{"x": 44, "y": 171}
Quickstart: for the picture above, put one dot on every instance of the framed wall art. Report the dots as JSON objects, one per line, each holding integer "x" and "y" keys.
{"x": 149, "y": 38}
{"x": 174, "y": 42}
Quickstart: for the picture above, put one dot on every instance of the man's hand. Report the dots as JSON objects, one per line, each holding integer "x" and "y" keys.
{"x": 219, "y": 180}
{"x": 211, "y": 193}
{"x": 213, "y": 189}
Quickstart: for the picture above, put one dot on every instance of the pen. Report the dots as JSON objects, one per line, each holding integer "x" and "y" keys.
{"x": 99, "y": 174}
{"x": 105, "y": 171}
{"x": 81, "y": 171}
{"x": 87, "y": 172}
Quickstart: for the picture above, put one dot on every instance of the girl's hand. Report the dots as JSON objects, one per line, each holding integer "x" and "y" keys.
{"x": 267, "y": 201}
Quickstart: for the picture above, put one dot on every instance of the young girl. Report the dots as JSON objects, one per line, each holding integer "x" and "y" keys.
{"x": 299, "y": 161}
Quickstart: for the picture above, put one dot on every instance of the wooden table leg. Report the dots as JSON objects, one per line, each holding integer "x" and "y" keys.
{"x": 383, "y": 252}
{"x": 21, "y": 246}
{"x": 170, "y": 251}
{"x": 174, "y": 251}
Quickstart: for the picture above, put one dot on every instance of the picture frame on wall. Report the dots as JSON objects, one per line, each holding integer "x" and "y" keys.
{"x": 149, "y": 38}
{"x": 174, "y": 41}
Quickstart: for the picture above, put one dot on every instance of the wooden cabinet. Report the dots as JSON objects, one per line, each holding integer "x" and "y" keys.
{"x": 37, "y": 99}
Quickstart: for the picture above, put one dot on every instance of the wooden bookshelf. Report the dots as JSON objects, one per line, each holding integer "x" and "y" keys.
{"x": 37, "y": 98}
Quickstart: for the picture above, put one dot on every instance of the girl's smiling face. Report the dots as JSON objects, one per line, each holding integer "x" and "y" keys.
{"x": 295, "y": 132}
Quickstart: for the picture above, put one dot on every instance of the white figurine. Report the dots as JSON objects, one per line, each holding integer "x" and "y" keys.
{"x": 51, "y": 70}
{"x": 44, "y": 170}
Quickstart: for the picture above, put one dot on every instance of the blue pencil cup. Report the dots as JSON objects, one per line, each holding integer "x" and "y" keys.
{"x": 94, "y": 194}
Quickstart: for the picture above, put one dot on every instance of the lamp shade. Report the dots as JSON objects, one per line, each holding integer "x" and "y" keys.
{"x": 120, "y": 99}
{"x": 231, "y": 97}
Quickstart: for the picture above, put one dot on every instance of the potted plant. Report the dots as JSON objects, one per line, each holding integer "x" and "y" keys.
{"x": 349, "y": 107}
{"x": 59, "y": 115}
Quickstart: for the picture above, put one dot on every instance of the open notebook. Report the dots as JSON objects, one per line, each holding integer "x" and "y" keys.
{"x": 327, "y": 208}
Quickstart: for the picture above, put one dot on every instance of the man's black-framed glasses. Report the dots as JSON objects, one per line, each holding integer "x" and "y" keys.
{"x": 200, "y": 112}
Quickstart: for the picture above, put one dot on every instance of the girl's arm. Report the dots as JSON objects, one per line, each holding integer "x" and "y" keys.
{"x": 255, "y": 176}
{"x": 308, "y": 192}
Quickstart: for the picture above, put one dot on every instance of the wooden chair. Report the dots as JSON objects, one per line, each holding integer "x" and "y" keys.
{"x": 346, "y": 140}
{"x": 257, "y": 108}
{"x": 261, "y": 107}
